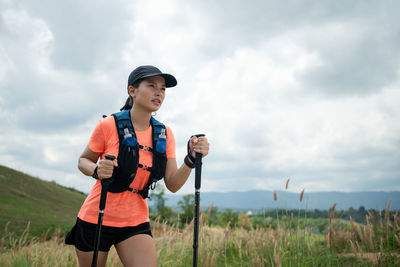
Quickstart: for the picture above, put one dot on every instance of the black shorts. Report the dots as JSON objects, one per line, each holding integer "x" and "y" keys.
{"x": 83, "y": 234}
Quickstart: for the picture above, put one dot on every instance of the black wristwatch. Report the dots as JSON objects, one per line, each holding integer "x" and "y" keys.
{"x": 94, "y": 175}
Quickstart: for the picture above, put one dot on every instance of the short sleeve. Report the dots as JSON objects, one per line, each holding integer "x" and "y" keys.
{"x": 170, "y": 144}
{"x": 97, "y": 139}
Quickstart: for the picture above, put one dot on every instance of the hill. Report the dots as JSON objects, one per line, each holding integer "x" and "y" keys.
{"x": 46, "y": 205}
{"x": 257, "y": 199}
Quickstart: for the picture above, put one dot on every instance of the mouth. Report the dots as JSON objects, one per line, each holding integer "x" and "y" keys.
{"x": 156, "y": 101}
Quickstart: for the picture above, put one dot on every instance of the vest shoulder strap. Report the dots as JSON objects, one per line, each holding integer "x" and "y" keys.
{"x": 159, "y": 136}
{"x": 122, "y": 121}
{"x": 158, "y": 128}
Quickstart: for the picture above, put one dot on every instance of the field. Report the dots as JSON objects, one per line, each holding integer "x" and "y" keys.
{"x": 46, "y": 205}
{"x": 33, "y": 236}
{"x": 375, "y": 243}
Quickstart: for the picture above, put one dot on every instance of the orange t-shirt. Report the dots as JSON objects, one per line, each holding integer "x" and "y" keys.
{"x": 125, "y": 208}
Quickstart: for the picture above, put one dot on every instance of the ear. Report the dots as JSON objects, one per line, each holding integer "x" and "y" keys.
{"x": 132, "y": 91}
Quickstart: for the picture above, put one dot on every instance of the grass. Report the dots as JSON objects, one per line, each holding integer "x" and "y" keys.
{"x": 345, "y": 244}
{"x": 46, "y": 205}
{"x": 31, "y": 236}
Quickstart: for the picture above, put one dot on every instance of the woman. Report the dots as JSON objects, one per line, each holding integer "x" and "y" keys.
{"x": 126, "y": 216}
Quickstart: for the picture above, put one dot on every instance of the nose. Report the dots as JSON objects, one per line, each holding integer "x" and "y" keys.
{"x": 159, "y": 90}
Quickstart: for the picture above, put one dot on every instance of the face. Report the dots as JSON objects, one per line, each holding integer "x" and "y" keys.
{"x": 150, "y": 94}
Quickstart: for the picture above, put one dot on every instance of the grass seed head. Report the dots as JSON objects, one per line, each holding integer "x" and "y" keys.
{"x": 301, "y": 195}
{"x": 209, "y": 211}
{"x": 332, "y": 212}
{"x": 371, "y": 216}
{"x": 397, "y": 240}
{"x": 387, "y": 212}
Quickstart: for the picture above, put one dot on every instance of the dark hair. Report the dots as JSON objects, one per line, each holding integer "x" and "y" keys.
{"x": 129, "y": 100}
{"x": 137, "y": 83}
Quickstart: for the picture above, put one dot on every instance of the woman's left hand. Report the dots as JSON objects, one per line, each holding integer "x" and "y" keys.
{"x": 199, "y": 145}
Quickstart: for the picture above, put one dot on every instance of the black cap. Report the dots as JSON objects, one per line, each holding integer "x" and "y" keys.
{"x": 149, "y": 71}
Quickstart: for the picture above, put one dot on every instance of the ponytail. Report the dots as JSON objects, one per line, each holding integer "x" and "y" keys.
{"x": 128, "y": 104}
{"x": 129, "y": 100}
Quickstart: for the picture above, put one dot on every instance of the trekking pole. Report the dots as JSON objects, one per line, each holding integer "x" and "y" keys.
{"x": 103, "y": 197}
{"x": 197, "y": 185}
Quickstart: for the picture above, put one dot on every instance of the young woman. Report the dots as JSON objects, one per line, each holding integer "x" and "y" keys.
{"x": 126, "y": 216}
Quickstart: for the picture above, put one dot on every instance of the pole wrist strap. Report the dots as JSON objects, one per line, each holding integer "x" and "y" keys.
{"x": 94, "y": 175}
{"x": 188, "y": 162}
{"x": 192, "y": 159}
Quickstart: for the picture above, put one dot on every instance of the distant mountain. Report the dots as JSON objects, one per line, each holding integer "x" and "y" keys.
{"x": 47, "y": 205}
{"x": 255, "y": 200}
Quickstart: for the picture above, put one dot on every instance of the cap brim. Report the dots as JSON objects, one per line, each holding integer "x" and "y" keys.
{"x": 170, "y": 80}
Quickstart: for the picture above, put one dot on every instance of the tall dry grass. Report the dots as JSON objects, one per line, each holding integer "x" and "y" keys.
{"x": 47, "y": 251}
{"x": 376, "y": 243}
{"x": 259, "y": 246}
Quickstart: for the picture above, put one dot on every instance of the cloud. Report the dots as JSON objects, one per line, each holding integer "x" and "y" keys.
{"x": 267, "y": 126}
{"x": 354, "y": 58}
{"x": 82, "y": 31}
{"x": 303, "y": 90}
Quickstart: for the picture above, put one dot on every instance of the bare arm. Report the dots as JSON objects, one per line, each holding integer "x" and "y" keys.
{"x": 175, "y": 178}
{"x": 87, "y": 164}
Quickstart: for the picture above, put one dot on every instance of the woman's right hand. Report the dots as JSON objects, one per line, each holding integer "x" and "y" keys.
{"x": 105, "y": 168}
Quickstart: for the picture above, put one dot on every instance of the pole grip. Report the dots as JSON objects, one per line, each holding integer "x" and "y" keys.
{"x": 109, "y": 157}
{"x": 197, "y": 165}
{"x": 106, "y": 182}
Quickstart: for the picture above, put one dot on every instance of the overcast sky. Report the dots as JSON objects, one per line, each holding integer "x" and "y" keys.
{"x": 306, "y": 90}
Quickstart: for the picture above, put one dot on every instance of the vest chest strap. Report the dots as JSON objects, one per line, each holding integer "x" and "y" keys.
{"x": 133, "y": 190}
{"x": 145, "y": 167}
{"x": 146, "y": 148}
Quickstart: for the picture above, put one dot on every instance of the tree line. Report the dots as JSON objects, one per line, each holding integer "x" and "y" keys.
{"x": 264, "y": 217}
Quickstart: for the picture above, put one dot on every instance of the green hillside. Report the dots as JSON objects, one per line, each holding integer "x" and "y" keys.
{"x": 46, "y": 205}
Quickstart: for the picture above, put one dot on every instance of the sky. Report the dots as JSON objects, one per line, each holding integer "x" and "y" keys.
{"x": 301, "y": 90}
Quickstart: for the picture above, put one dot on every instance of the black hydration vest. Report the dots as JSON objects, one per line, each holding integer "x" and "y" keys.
{"x": 128, "y": 155}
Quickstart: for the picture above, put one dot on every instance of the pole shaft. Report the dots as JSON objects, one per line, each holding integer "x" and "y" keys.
{"x": 102, "y": 205}
{"x": 196, "y": 228}
{"x": 197, "y": 186}
{"x": 97, "y": 240}
{"x": 103, "y": 197}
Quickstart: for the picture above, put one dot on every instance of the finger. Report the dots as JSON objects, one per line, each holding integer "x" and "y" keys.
{"x": 105, "y": 175}
{"x": 202, "y": 144}
{"x": 203, "y": 149}
{"x": 203, "y": 139}
{"x": 105, "y": 167}
{"x": 192, "y": 143}
{"x": 198, "y": 150}
{"x": 194, "y": 140}
{"x": 108, "y": 163}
